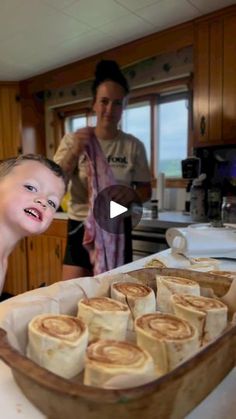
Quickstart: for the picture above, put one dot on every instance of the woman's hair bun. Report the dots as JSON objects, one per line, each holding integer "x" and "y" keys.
{"x": 105, "y": 68}
{"x": 109, "y": 70}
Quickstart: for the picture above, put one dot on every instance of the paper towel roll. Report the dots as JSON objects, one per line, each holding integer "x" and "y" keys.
{"x": 161, "y": 191}
{"x": 203, "y": 241}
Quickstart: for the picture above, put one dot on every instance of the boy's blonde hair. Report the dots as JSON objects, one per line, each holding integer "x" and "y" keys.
{"x": 7, "y": 165}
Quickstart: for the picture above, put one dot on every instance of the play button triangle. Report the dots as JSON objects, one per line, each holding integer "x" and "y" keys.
{"x": 116, "y": 209}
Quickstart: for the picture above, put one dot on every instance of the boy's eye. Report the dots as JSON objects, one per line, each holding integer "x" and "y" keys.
{"x": 30, "y": 188}
{"x": 52, "y": 204}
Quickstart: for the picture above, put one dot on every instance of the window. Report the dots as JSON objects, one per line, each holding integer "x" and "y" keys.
{"x": 165, "y": 134}
{"x": 75, "y": 122}
{"x": 136, "y": 120}
{"x": 172, "y": 137}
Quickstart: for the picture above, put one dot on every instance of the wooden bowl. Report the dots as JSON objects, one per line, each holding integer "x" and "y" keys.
{"x": 219, "y": 284}
{"x": 173, "y": 395}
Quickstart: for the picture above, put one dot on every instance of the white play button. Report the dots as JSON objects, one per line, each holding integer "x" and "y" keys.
{"x": 116, "y": 209}
{"x": 113, "y": 214}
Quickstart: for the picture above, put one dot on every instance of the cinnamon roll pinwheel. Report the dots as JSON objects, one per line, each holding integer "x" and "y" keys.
{"x": 168, "y": 285}
{"x": 139, "y": 298}
{"x": 58, "y": 343}
{"x": 106, "y": 318}
{"x": 117, "y": 364}
{"x": 206, "y": 262}
{"x": 169, "y": 340}
{"x": 208, "y": 315}
{"x": 155, "y": 263}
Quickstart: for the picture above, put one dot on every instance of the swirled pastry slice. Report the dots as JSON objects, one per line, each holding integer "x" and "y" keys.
{"x": 169, "y": 339}
{"x": 117, "y": 364}
{"x": 168, "y": 285}
{"x": 204, "y": 264}
{"x": 58, "y": 343}
{"x": 155, "y": 263}
{"x": 139, "y": 298}
{"x": 106, "y": 318}
{"x": 208, "y": 315}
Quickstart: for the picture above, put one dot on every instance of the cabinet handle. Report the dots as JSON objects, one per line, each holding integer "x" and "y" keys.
{"x": 57, "y": 251}
{"x": 203, "y": 125}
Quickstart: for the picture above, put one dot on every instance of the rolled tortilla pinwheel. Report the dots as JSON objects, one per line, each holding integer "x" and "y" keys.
{"x": 168, "y": 285}
{"x": 58, "y": 343}
{"x": 117, "y": 364}
{"x": 139, "y": 298}
{"x": 208, "y": 315}
{"x": 169, "y": 339}
{"x": 106, "y": 318}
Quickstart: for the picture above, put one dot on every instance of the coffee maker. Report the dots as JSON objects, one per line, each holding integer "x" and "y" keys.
{"x": 191, "y": 167}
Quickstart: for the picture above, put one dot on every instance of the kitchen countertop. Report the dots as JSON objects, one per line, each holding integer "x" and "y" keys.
{"x": 166, "y": 219}
{"x": 221, "y": 403}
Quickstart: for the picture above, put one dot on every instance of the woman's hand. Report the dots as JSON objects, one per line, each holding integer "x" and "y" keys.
{"x": 81, "y": 138}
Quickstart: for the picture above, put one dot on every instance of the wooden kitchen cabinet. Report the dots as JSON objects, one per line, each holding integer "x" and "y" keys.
{"x": 215, "y": 81}
{"x": 44, "y": 260}
{"x": 37, "y": 261}
{"x": 17, "y": 278}
{"x": 45, "y": 255}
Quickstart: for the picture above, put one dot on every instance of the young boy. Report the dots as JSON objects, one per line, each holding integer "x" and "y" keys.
{"x": 31, "y": 188}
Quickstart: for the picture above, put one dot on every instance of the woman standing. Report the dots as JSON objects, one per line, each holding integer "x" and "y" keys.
{"x": 124, "y": 153}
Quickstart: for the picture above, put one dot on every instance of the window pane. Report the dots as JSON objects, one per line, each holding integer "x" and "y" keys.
{"x": 136, "y": 120}
{"x": 75, "y": 122}
{"x": 173, "y": 137}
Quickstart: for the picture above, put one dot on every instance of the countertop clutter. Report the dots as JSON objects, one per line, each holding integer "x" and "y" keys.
{"x": 220, "y": 403}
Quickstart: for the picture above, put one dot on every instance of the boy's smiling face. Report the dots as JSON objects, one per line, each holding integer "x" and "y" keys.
{"x": 30, "y": 195}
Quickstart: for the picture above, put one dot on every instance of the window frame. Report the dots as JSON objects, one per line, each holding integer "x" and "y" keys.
{"x": 61, "y": 113}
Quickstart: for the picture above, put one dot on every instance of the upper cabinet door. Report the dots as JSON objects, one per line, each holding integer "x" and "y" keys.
{"x": 229, "y": 80}
{"x": 208, "y": 77}
{"x": 215, "y": 81}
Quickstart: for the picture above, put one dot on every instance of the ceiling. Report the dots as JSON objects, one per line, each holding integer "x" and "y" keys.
{"x": 39, "y": 35}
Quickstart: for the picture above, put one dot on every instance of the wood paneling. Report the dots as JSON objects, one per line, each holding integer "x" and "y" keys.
{"x": 10, "y": 120}
{"x": 33, "y": 122}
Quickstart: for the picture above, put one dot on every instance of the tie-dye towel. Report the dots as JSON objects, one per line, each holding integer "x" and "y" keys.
{"x": 106, "y": 250}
